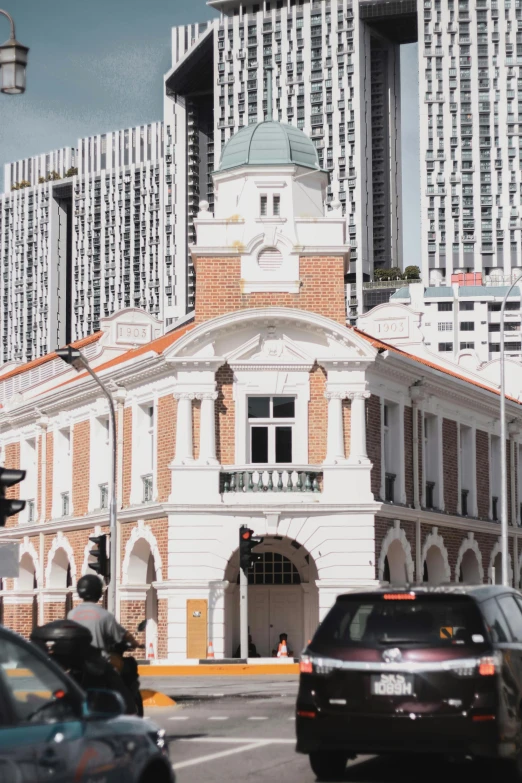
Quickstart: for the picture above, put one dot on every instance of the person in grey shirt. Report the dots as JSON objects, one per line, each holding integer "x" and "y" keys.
{"x": 106, "y": 631}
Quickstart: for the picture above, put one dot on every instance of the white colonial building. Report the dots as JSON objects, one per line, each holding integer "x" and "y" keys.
{"x": 356, "y": 462}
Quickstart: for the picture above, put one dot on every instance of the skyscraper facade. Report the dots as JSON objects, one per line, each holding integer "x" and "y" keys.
{"x": 81, "y": 236}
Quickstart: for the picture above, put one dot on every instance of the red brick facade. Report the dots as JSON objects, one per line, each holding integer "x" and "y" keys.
{"x": 317, "y": 416}
{"x": 81, "y": 468}
{"x": 482, "y": 446}
{"x": 225, "y": 416}
{"x": 219, "y": 291}
{"x": 166, "y": 440}
{"x": 450, "y": 465}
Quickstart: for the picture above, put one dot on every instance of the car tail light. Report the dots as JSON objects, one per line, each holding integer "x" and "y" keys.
{"x": 305, "y": 665}
{"x": 309, "y": 664}
{"x": 399, "y": 596}
{"x": 488, "y": 666}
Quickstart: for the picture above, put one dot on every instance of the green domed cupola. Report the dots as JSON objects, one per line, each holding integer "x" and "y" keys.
{"x": 269, "y": 143}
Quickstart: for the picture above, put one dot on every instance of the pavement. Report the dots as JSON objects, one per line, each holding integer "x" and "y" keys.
{"x": 232, "y": 730}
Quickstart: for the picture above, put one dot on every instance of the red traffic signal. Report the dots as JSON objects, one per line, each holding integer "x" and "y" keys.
{"x": 10, "y": 506}
{"x": 247, "y": 542}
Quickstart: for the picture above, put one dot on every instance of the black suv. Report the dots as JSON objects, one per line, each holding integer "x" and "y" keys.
{"x": 436, "y": 670}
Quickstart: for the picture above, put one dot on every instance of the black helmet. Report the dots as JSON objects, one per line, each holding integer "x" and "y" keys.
{"x": 90, "y": 588}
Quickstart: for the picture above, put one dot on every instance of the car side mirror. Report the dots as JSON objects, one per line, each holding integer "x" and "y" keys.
{"x": 104, "y": 704}
{"x": 142, "y": 626}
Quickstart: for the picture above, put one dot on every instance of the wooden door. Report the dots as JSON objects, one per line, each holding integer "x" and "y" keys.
{"x": 197, "y": 619}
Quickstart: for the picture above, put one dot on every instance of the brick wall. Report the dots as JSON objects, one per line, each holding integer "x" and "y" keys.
{"x": 162, "y": 650}
{"x": 373, "y": 441}
{"x": 49, "y": 475}
{"x": 482, "y": 474}
{"x": 81, "y": 468}
{"x": 19, "y": 618}
{"x": 166, "y": 444}
{"x": 127, "y": 456}
{"x": 381, "y": 529}
{"x": 347, "y": 410}
{"x": 225, "y": 416}
{"x": 408, "y": 454}
{"x": 12, "y": 460}
{"x": 196, "y": 419}
{"x": 54, "y": 610}
{"x": 317, "y": 416}
{"x": 131, "y": 614}
{"x": 218, "y": 289}
{"x": 450, "y": 465}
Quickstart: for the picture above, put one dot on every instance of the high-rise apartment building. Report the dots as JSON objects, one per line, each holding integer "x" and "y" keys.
{"x": 337, "y": 75}
{"x": 81, "y": 236}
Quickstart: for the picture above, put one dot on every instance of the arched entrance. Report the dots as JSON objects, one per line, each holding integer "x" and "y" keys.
{"x": 282, "y": 598}
{"x": 395, "y": 570}
{"x": 434, "y": 567}
{"x": 469, "y": 568}
{"x": 140, "y": 568}
{"x": 497, "y": 569}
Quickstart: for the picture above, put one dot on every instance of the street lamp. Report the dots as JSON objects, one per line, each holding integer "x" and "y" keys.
{"x": 13, "y": 59}
{"x": 503, "y": 458}
{"x": 76, "y": 359}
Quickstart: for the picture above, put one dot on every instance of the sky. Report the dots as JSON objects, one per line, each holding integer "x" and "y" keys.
{"x": 97, "y": 65}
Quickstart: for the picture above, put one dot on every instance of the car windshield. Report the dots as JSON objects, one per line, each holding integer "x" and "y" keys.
{"x": 425, "y": 620}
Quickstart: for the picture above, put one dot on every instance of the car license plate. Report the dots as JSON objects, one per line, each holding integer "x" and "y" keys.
{"x": 392, "y": 685}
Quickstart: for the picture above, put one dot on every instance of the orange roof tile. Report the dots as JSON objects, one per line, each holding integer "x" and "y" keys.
{"x": 92, "y": 338}
{"x": 387, "y": 347}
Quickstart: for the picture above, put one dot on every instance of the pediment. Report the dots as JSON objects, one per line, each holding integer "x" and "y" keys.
{"x": 271, "y": 346}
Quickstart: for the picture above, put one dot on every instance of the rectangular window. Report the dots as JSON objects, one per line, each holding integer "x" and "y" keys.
{"x": 494, "y": 327}
{"x": 467, "y": 346}
{"x": 277, "y": 206}
{"x": 512, "y": 306}
{"x": 147, "y": 488}
{"x": 263, "y": 206}
{"x": 444, "y": 307}
{"x": 464, "y": 502}
{"x": 445, "y": 346}
{"x": 104, "y": 495}
{"x": 389, "y": 487}
{"x": 446, "y": 326}
{"x": 466, "y": 305}
{"x": 430, "y": 494}
{"x": 271, "y": 425}
{"x": 467, "y": 326}
{"x": 65, "y": 504}
{"x": 30, "y": 511}
{"x": 494, "y": 508}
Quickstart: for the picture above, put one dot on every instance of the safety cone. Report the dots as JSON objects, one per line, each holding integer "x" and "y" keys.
{"x": 282, "y": 652}
{"x": 210, "y": 651}
{"x": 150, "y": 652}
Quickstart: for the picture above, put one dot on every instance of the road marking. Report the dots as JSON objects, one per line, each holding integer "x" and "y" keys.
{"x": 257, "y": 717}
{"x": 222, "y": 754}
{"x": 236, "y": 740}
{"x": 218, "y": 717}
{"x": 179, "y": 717}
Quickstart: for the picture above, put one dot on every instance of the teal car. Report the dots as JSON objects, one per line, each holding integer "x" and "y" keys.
{"x": 51, "y": 730}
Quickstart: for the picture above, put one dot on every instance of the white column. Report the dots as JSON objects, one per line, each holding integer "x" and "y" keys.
{"x": 207, "y": 428}
{"x": 473, "y": 460}
{"x": 335, "y": 434}
{"x": 184, "y": 445}
{"x": 401, "y": 463}
{"x": 358, "y": 451}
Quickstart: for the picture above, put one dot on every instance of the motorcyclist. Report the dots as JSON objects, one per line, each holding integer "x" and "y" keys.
{"x": 106, "y": 631}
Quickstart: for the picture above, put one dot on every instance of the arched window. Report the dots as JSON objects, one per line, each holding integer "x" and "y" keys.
{"x": 273, "y": 569}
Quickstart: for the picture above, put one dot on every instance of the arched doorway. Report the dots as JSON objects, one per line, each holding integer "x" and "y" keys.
{"x": 282, "y": 597}
{"x": 497, "y": 569}
{"x": 395, "y": 570}
{"x": 141, "y": 570}
{"x": 60, "y": 577}
{"x": 434, "y": 566}
{"x": 469, "y": 568}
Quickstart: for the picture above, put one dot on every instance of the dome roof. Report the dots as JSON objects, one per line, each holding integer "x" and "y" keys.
{"x": 269, "y": 143}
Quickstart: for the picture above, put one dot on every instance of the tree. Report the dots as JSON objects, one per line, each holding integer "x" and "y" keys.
{"x": 71, "y": 172}
{"x": 52, "y": 176}
{"x": 41, "y": 180}
{"x": 388, "y": 274}
{"x": 412, "y": 273}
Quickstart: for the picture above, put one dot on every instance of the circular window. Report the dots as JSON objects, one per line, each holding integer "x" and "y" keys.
{"x": 270, "y": 259}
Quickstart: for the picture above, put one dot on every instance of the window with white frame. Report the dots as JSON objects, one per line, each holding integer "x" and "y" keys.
{"x": 29, "y": 463}
{"x": 271, "y": 423}
{"x": 431, "y": 461}
{"x": 263, "y": 205}
{"x": 446, "y": 326}
{"x": 276, "y": 205}
{"x": 62, "y": 472}
{"x": 100, "y": 462}
{"x": 144, "y": 454}
{"x": 391, "y": 432}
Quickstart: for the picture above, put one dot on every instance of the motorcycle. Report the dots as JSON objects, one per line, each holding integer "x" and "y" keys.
{"x": 127, "y": 667}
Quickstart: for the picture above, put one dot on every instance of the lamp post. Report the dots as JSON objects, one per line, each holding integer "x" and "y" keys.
{"x": 13, "y": 60}
{"x": 503, "y": 459}
{"x": 76, "y": 359}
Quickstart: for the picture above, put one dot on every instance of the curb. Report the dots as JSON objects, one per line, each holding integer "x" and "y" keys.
{"x": 214, "y": 669}
{"x": 156, "y": 699}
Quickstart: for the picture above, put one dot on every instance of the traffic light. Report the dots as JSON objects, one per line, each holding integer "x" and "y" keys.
{"x": 9, "y": 506}
{"x": 247, "y": 542}
{"x": 101, "y": 562}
